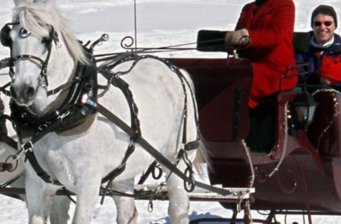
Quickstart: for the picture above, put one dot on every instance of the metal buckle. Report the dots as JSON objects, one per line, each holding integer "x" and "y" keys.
{"x": 42, "y": 127}
{"x": 28, "y": 146}
{"x": 62, "y": 116}
{"x": 24, "y": 148}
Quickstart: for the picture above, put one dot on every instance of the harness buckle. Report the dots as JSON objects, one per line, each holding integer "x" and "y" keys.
{"x": 27, "y": 146}
{"x": 62, "y": 116}
{"x": 42, "y": 127}
{"x": 24, "y": 148}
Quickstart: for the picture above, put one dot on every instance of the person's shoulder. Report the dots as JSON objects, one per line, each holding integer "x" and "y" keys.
{"x": 335, "y": 48}
{"x": 337, "y": 38}
{"x": 282, "y": 2}
{"x": 248, "y": 5}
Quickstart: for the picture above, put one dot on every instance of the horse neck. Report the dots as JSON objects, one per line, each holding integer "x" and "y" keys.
{"x": 60, "y": 70}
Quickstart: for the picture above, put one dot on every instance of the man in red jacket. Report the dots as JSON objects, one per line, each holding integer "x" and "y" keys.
{"x": 264, "y": 34}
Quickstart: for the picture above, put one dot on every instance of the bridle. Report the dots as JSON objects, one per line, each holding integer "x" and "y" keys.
{"x": 48, "y": 41}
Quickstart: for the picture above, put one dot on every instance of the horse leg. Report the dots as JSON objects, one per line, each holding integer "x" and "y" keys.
{"x": 126, "y": 210}
{"x": 178, "y": 207}
{"x": 38, "y": 198}
{"x": 59, "y": 210}
{"x": 87, "y": 196}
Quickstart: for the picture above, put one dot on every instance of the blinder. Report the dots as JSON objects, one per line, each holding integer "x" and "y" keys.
{"x": 4, "y": 35}
{"x": 7, "y": 41}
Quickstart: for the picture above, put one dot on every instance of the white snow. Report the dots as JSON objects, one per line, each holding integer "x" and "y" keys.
{"x": 159, "y": 23}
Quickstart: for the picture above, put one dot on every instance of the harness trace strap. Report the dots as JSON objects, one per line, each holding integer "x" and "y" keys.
{"x": 134, "y": 131}
{"x": 157, "y": 155}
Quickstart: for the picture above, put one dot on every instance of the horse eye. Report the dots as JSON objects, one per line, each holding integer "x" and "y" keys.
{"x": 24, "y": 33}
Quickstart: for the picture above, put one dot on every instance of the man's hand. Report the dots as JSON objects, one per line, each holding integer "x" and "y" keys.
{"x": 238, "y": 38}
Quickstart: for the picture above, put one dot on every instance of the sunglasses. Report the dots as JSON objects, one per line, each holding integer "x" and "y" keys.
{"x": 326, "y": 23}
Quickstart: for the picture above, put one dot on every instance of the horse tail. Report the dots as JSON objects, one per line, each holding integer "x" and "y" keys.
{"x": 202, "y": 157}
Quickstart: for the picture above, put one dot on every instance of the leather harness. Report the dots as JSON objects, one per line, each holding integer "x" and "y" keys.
{"x": 77, "y": 114}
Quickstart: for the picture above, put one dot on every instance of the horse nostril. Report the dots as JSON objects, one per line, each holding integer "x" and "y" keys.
{"x": 30, "y": 92}
{"x": 12, "y": 92}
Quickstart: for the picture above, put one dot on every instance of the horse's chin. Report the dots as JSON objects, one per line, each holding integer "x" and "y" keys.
{"x": 30, "y": 107}
{"x": 23, "y": 102}
{"x": 37, "y": 109}
{"x": 36, "y": 106}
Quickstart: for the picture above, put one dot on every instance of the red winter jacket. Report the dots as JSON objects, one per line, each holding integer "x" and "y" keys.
{"x": 271, "y": 52}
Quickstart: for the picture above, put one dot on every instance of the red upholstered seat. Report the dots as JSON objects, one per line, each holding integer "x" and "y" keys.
{"x": 222, "y": 90}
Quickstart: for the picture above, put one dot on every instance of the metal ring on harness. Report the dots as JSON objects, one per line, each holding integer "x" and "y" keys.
{"x": 189, "y": 184}
{"x": 157, "y": 172}
{"x": 11, "y": 168}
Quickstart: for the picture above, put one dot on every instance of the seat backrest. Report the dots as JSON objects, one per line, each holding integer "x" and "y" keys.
{"x": 222, "y": 88}
{"x": 301, "y": 42}
{"x": 214, "y": 40}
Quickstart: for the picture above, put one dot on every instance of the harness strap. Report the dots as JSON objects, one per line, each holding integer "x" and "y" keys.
{"x": 124, "y": 87}
{"x": 44, "y": 63}
{"x": 115, "y": 80}
{"x": 148, "y": 171}
{"x": 184, "y": 82}
{"x": 3, "y": 133}
{"x": 37, "y": 168}
{"x": 4, "y": 62}
{"x": 191, "y": 145}
{"x": 8, "y": 140}
{"x": 157, "y": 155}
{"x": 135, "y": 124}
{"x": 61, "y": 87}
{"x": 28, "y": 146}
{"x": 111, "y": 176}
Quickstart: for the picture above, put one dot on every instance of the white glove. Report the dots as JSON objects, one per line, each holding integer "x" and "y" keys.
{"x": 238, "y": 38}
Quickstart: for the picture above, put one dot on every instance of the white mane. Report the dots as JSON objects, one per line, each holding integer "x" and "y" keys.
{"x": 39, "y": 18}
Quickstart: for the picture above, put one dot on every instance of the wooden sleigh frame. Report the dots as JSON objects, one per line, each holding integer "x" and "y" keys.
{"x": 296, "y": 174}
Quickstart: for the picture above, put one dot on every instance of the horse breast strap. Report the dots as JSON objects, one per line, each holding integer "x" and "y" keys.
{"x": 72, "y": 112}
{"x": 77, "y": 110}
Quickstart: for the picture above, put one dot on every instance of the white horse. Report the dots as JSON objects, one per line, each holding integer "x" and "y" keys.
{"x": 46, "y": 56}
{"x": 14, "y": 176}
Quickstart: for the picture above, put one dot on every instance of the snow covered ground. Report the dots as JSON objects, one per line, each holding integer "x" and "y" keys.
{"x": 159, "y": 23}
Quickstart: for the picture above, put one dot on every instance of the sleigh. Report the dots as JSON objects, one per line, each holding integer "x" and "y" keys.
{"x": 297, "y": 171}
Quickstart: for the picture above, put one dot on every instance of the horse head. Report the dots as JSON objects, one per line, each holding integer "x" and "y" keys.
{"x": 44, "y": 53}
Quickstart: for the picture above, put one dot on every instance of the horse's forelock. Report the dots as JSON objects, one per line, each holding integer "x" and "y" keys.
{"x": 29, "y": 19}
{"x": 37, "y": 18}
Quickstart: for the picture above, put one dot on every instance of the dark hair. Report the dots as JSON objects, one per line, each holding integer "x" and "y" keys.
{"x": 260, "y": 2}
{"x": 326, "y": 10}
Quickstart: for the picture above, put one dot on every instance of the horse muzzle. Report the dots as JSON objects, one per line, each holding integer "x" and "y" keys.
{"x": 23, "y": 95}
